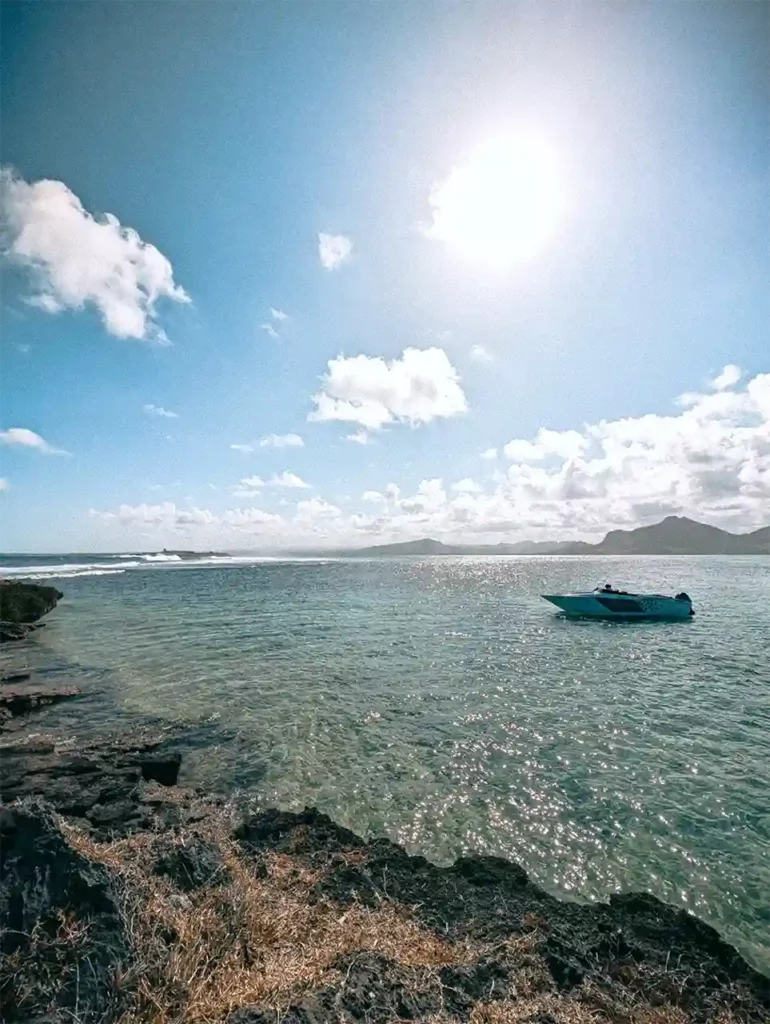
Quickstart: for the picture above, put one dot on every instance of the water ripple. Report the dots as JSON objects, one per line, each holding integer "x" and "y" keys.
{"x": 441, "y": 702}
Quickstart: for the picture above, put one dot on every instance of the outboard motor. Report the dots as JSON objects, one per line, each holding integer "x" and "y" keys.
{"x": 685, "y": 597}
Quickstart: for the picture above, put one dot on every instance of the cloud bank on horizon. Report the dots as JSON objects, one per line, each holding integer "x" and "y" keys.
{"x": 711, "y": 460}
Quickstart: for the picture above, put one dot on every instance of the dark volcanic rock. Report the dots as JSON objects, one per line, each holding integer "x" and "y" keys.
{"x": 13, "y": 630}
{"x": 21, "y": 699}
{"x": 164, "y": 770}
{"x": 191, "y": 864}
{"x": 61, "y": 934}
{"x": 104, "y": 783}
{"x": 26, "y": 602}
{"x": 490, "y": 899}
{"x": 376, "y": 990}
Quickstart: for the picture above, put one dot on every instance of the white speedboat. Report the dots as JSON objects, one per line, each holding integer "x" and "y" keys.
{"x": 608, "y": 603}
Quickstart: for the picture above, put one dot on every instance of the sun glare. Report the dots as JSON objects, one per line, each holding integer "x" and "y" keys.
{"x": 500, "y": 207}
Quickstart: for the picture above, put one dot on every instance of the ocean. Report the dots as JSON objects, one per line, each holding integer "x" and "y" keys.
{"x": 441, "y": 702}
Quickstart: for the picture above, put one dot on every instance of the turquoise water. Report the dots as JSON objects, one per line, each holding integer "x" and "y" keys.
{"x": 441, "y": 702}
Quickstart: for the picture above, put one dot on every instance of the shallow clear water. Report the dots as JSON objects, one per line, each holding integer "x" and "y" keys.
{"x": 443, "y": 703}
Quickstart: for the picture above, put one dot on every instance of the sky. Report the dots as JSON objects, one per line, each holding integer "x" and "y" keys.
{"x": 292, "y": 275}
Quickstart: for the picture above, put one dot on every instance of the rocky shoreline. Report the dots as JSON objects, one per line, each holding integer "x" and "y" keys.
{"x": 126, "y": 898}
{"x": 22, "y": 605}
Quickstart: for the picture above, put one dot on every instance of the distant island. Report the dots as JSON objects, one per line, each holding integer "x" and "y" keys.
{"x": 675, "y": 535}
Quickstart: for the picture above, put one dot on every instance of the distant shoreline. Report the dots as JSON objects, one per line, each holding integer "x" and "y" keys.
{"x": 674, "y": 535}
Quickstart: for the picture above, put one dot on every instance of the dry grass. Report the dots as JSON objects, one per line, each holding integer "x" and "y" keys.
{"x": 253, "y": 940}
{"x": 261, "y": 937}
{"x": 564, "y": 1010}
{"x": 574, "y": 1009}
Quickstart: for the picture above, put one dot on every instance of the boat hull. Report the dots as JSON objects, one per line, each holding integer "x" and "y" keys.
{"x": 624, "y": 608}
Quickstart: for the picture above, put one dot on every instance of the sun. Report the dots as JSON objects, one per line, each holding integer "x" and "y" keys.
{"x": 501, "y": 206}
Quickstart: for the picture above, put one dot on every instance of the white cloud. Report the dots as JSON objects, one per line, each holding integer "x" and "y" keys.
{"x": 333, "y": 250}
{"x": 563, "y": 444}
{"x": 75, "y": 259}
{"x": 48, "y": 303}
{"x": 314, "y": 509}
{"x": 269, "y": 330}
{"x": 4, "y": 485}
{"x": 29, "y": 439}
{"x": 287, "y": 479}
{"x": 710, "y": 462}
{"x": 728, "y": 378}
{"x": 244, "y": 447}
{"x": 467, "y": 486}
{"x": 281, "y": 441}
{"x": 360, "y": 437}
{"x": 489, "y": 454}
{"x": 158, "y": 410}
{"x": 248, "y": 486}
{"x": 430, "y": 497}
{"x": 168, "y": 519}
{"x": 420, "y": 386}
{"x": 278, "y": 314}
{"x": 480, "y": 354}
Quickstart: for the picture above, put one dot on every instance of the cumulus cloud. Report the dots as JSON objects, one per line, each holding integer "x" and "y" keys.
{"x": 467, "y": 486}
{"x": 281, "y": 441}
{"x": 278, "y": 314}
{"x": 24, "y": 438}
{"x": 489, "y": 454}
{"x": 4, "y": 485}
{"x": 360, "y": 437}
{"x": 287, "y": 479}
{"x": 269, "y": 330}
{"x": 563, "y": 444}
{"x": 420, "y": 386}
{"x": 249, "y": 486}
{"x": 167, "y": 519}
{"x": 314, "y": 512}
{"x": 75, "y": 259}
{"x": 158, "y": 410}
{"x": 728, "y": 378}
{"x": 710, "y": 461}
{"x": 246, "y": 448}
{"x": 480, "y": 354}
{"x": 333, "y": 250}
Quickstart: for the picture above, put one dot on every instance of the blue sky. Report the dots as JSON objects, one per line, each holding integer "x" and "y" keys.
{"x": 562, "y": 209}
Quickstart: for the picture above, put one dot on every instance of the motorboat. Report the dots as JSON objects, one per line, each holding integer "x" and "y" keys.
{"x": 607, "y": 603}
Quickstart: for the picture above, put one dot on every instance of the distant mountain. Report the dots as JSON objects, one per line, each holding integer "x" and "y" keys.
{"x": 680, "y": 536}
{"x": 675, "y": 535}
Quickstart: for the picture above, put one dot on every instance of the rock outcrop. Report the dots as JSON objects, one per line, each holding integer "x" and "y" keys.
{"x": 292, "y": 918}
{"x": 62, "y": 939}
{"x": 21, "y": 605}
{"x": 632, "y": 944}
{"x": 20, "y": 698}
{"x": 116, "y": 787}
{"x": 26, "y": 602}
